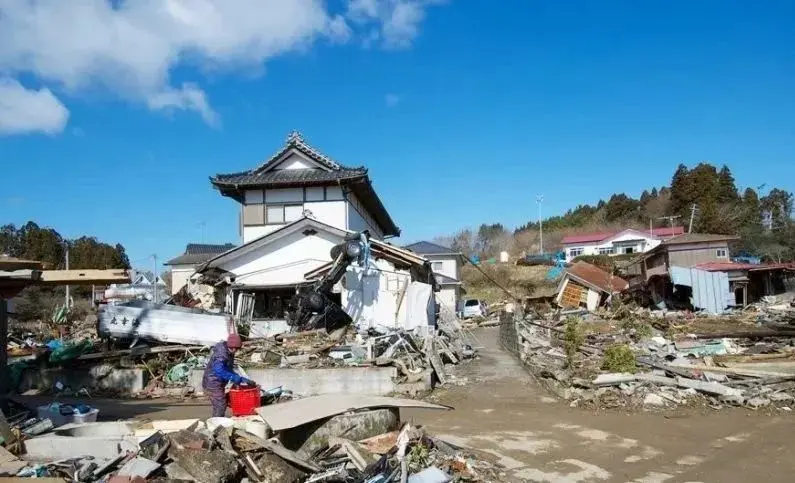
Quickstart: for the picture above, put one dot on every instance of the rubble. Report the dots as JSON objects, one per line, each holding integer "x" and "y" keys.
{"x": 191, "y": 451}
{"x": 636, "y": 358}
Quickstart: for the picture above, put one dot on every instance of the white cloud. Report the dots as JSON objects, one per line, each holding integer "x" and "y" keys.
{"x": 24, "y": 111}
{"x": 189, "y": 97}
{"x": 399, "y": 20}
{"x": 391, "y": 100}
{"x": 132, "y": 48}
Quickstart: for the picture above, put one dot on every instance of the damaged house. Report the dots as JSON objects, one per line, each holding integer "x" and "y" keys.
{"x": 695, "y": 270}
{"x": 446, "y": 264}
{"x": 294, "y": 208}
{"x": 587, "y": 286}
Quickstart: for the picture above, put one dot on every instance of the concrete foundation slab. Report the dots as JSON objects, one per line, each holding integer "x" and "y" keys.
{"x": 370, "y": 381}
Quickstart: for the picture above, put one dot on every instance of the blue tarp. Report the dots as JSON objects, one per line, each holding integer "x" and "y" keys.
{"x": 710, "y": 289}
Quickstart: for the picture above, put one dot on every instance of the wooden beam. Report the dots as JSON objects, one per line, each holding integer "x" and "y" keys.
{"x": 84, "y": 277}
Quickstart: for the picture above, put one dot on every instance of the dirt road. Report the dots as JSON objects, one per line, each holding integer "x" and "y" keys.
{"x": 540, "y": 439}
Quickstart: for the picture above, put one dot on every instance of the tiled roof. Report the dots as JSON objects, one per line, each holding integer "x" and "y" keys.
{"x": 263, "y": 175}
{"x": 698, "y": 238}
{"x": 288, "y": 176}
{"x": 196, "y": 253}
{"x": 597, "y": 278}
{"x": 664, "y": 232}
{"x": 428, "y": 248}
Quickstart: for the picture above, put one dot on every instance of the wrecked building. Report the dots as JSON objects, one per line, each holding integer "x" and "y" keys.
{"x": 695, "y": 270}
{"x": 588, "y": 286}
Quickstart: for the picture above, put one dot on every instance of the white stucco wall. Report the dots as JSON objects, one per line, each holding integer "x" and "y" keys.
{"x": 445, "y": 265}
{"x": 253, "y": 232}
{"x": 372, "y": 298}
{"x": 447, "y": 297}
{"x": 295, "y": 161}
{"x": 180, "y": 274}
{"x": 360, "y": 220}
{"x": 284, "y": 261}
{"x": 332, "y": 213}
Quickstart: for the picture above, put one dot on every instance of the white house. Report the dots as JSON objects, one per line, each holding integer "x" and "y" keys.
{"x": 183, "y": 266}
{"x": 446, "y": 265}
{"x": 624, "y": 242}
{"x": 293, "y": 209}
{"x": 298, "y": 179}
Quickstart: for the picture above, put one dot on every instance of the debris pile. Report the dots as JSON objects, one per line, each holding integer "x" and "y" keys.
{"x": 419, "y": 359}
{"x": 633, "y": 359}
{"x": 319, "y": 439}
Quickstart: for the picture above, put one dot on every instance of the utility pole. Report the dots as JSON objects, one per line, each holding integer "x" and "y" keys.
{"x": 692, "y": 215}
{"x": 154, "y": 283}
{"x": 539, "y": 199}
{"x": 66, "y": 300}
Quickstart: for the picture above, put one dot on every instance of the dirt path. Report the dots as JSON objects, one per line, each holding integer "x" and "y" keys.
{"x": 540, "y": 439}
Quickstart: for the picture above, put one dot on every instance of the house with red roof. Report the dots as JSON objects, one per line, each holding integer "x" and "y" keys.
{"x": 623, "y": 242}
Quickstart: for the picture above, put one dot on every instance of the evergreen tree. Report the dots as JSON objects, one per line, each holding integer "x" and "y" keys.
{"x": 726, "y": 189}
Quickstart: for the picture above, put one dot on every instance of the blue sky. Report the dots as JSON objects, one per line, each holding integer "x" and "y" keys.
{"x": 462, "y": 110}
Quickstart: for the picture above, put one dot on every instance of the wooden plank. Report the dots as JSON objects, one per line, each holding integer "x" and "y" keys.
{"x": 84, "y": 277}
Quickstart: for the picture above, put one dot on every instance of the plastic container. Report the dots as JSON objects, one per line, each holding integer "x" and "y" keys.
{"x": 53, "y": 413}
{"x": 243, "y": 402}
{"x": 257, "y": 428}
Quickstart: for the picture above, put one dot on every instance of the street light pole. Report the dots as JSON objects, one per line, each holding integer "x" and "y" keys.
{"x": 539, "y": 199}
{"x": 66, "y": 301}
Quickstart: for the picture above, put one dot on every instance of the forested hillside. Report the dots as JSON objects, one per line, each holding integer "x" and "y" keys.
{"x": 760, "y": 216}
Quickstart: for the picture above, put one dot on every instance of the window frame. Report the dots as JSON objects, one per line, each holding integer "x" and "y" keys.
{"x": 718, "y": 252}
{"x": 579, "y": 250}
{"x": 441, "y": 265}
{"x": 607, "y": 251}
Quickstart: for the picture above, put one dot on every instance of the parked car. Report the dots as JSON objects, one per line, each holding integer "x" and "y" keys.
{"x": 474, "y": 308}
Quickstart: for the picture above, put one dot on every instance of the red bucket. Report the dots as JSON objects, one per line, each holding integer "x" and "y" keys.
{"x": 243, "y": 402}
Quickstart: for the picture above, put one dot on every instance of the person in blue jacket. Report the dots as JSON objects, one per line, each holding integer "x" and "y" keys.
{"x": 220, "y": 371}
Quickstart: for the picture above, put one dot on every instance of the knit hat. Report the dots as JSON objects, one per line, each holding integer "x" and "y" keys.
{"x": 234, "y": 341}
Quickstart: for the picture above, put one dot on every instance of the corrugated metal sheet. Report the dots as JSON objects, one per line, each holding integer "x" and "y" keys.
{"x": 710, "y": 289}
